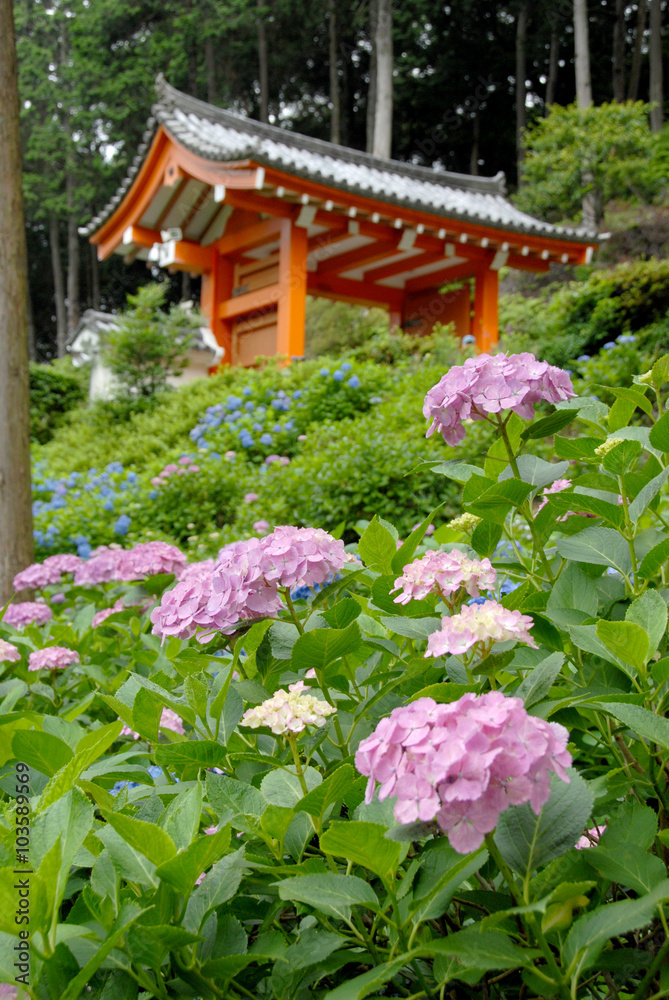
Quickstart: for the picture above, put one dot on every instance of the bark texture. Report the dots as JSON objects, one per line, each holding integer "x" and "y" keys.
{"x": 553, "y": 59}
{"x": 58, "y": 285}
{"x": 637, "y": 52}
{"x": 656, "y": 94}
{"x": 335, "y": 103}
{"x": 263, "y": 71}
{"x": 521, "y": 76}
{"x": 618, "y": 55}
{"x": 16, "y": 538}
{"x": 383, "y": 114}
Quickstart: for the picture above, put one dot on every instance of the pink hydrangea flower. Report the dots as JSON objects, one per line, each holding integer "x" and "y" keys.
{"x": 486, "y": 385}
{"x": 145, "y": 559}
{"x": 295, "y": 557}
{"x": 8, "y": 652}
{"x": 445, "y": 573}
{"x": 184, "y": 460}
{"x": 169, "y": 469}
{"x": 289, "y": 711}
{"x": 36, "y": 577}
{"x": 250, "y": 497}
{"x": 27, "y": 613}
{"x": 197, "y": 570}
{"x": 556, "y": 487}
{"x": 479, "y": 623}
{"x": 211, "y": 830}
{"x": 462, "y": 764}
{"x": 156, "y": 481}
{"x": 193, "y": 468}
{"x": 52, "y": 658}
{"x": 590, "y": 838}
{"x": 261, "y": 525}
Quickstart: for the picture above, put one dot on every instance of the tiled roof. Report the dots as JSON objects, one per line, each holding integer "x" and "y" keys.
{"x": 221, "y": 136}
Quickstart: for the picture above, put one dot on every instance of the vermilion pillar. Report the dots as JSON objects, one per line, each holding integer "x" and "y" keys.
{"x": 292, "y": 289}
{"x": 485, "y": 320}
{"x": 216, "y": 289}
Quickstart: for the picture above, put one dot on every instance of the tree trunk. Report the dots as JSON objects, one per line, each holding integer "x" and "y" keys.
{"x": 263, "y": 72}
{"x": 618, "y": 55}
{"x": 521, "y": 76}
{"x": 58, "y": 285}
{"x": 186, "y": 291}
{"x": 335, "y": 106}
{"x": 371, "y": 93}
{"x": 383, "y": 113}
{"x": 95, "y": 277}
{"x": 553, "y": 60}
{"x": 582, "y": 54}
{"x": 635, "y": 72}
{"x": 584, "y": 98}
{"x": 16, "y": 535}
{"x": 210, "y": 67}
{"x": 73, "y": 305}
{"x": 656, "y": 95}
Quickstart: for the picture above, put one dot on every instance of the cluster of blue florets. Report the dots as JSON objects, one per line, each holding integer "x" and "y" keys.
{"x": 624, "y": 338}
{"x": 257, "y": 423}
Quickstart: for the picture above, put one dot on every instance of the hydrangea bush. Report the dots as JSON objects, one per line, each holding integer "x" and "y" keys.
{"x": 414, "y": 766}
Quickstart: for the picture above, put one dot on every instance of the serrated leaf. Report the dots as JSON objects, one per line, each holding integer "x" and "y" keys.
{"x": 627, "y": 641}
{"x": 540, "y": 679}
{"x": 412, "y": 628}
{"x": 204, "y": 753}
{"x": 363, "y": 844}
{"x": 331, "y": 894}
{"x": 646, "y": 495}
{"x": 536, "y": 471}
{"x": 573, "y": 589}
{"x": 322, "y": 646}
{"x": 647, "y": 724}
{"x": 659, "y": 433}
{"x": 331, "y": 790}
{"x": 147, "y": 838}
{"x": 41, "y": 751}
{"x": 485, "y": 538}
{"x": 527, "y": 841}
{"x": 599, "y": 546}
{"x": 182, "y": 871}
{"x": 377, "y": 547}
{"x": 653, "y": 561}
{"x": 650, "y": 612}
{"x": 341, "y": 614}
{"x": 547, "y": 426}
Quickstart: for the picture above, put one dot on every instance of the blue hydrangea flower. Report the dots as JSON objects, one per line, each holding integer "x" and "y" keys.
{"x": 84, "y": 550}
{"x": 247, "y": 390}
{"x": 297, "y": 394}
{"x": 277, "y": 428}
{"x": 324, "y": 371}
{"x": 338, "y": 376}
{"x": 346, "y": 366}
{"x": 626, "y": 338}
{"x": 249, "y": 406}
{"x": 153, "y": 494}
{"x": 477, "y": 600}
{"x": 266, "y": 439}
{"x": 132, "y": 477}
{"x": 258, "y": 427}
{"x": 122, "y": 525}
{"x": 583, "y": 357}
{"x": 609, "y": 344}
{"x": 108, "y": 505}
{"x": 354, "y": 382}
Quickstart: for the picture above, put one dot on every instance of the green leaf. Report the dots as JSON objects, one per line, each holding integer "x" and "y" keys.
{"x": 322, "y": 646}
{"x": 218, "y": 886}
{"x": 282, "y": 787}
{"x": 182, "y": 871}
{"x": 650, "y": 612}
{"x": 598, "y": 546}
{"x": 128, "y": 915}
{"x": 461, "y": 472}
{"x": 642, "y": 722}
{"x": 204, "y": 753}
{"x": 627, "y": 641}
{"x": 581, "y": 503}
{"x": 540, "y": 679}
{"x": 547, "y": 426}
{"x": 485, "y": 537}
{"x": 621, "y": 458}
{"x": 659, "y": 433}
{"x": 443, "y": 693}
{"x": 628, "y": 866}
{"x": 573, "y": 589}
{"x": 528, "y": 841}
{"x": 536, "y": 471}
{"x": 377, "y": 547}
{"x": 282, "y": 637}
{"x": 332, "y": 894}
{"x": 653, "y": 561}
{"x": 342, "y": 613}
{"x": 147, "y": 838}
{"x": 495, "y": 502}
{"x": 412, "y": 628}
{"x": 580, "y": 448}
{"x": 634, "y": 394}
{"x": 363, "y": 844}
{"x": 331, "y": 790}
{"x": 41, "y": 751}
{"x": 89, "y": 748}
{"x": 442, "y": 871}
{"x": 646, "y": 495}
{"x": 590, "y": 932}
{"x": 483, "y": 949}
{"x": 362, "y": 986}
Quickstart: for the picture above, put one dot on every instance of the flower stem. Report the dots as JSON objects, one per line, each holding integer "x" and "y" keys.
{"x": 291, "y": 609}
{"x": 298, "y": 763}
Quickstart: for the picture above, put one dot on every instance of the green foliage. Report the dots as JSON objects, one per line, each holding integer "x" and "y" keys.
{"x": 53, "y": 394}
{"x": 149, "y": 345}
{"x": 602, "y": 152}
{"x": 336, "y": 327}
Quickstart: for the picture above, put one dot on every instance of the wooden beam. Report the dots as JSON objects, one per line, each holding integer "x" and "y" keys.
{"x": 360, "y": 257}
{"x": 485, "y": 320}
{"x": 217, "y": 288}
{"x": 330, "y": 286}
{"x": 293, "y": 290}
{"x": 260, "y": 298}
{"x": 400, "y": 266}
{"x": 243, "y": 240}
{"x": 438, "y": 278}
{"x": 534, "y": 264}
{"x": 141, "y": 236}
{"x": 185, "y": 256}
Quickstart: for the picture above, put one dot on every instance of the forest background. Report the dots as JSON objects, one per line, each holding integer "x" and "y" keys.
{"x": 467, "y": 78}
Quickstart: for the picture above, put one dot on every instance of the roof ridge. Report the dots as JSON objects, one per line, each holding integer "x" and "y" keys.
{"x": 169, "y": 98}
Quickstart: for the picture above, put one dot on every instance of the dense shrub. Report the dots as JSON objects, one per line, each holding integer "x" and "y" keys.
{"x": 53, "y": 394}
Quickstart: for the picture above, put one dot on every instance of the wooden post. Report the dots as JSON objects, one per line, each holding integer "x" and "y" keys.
{"x": 216, "y": 289}
{"x": 395, "y": 319}
{"x": 292, "y": 289}
{"x": 16, "y": 536}
{"x": 485, "y": 322}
